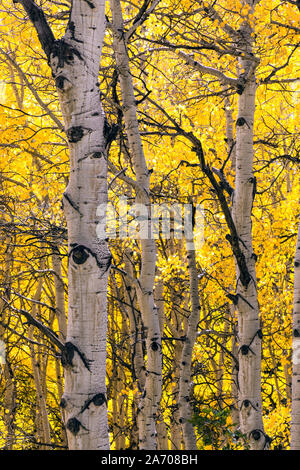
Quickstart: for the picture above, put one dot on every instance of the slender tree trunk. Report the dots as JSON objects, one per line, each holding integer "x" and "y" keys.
{"x": 235, "y": 415}
{"x": 151, "y": 395}
{"x": 249, "y": 332}
{"x": 10, "y": 389}
{"x": 178, "y": 328}
{"x": 42, "y": 421}
{"x": 176, "y": 428}
{"x": 162, "y": 433}
{"x": 188, "y": 430}
{"x": 74, "y": 61}
{"x": 295, "y": 424}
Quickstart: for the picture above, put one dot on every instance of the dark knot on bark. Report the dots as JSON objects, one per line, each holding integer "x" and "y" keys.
{"x": 99, "y": 399}
{"x": 244, "y": 349}
{"x": 79, "y": 254}
{"x": 67, "y": 355}
{"x": 256, "y": 434}
{"x": 75, "y": 134}
{"x": 154, "y": 346}
{"x": 73, "y": 425}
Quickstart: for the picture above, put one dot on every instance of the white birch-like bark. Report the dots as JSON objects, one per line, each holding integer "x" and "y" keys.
{"x": 188, "y": 430}
{"x": 249, "y": 331}
{"x": 74, "y": 61}
{"x": 295, "y": 423}
{"x": 151, "y": 395}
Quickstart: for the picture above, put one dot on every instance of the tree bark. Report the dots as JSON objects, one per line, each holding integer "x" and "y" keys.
{"x": 151, "y": 395}
{"x": 295, "y": 423}
{"x": 74, "y": 60}
{"x": 249, "y": 332}
{"x": 188, "y": 430}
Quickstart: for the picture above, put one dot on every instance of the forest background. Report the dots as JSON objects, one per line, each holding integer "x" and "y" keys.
{"x": 201, "y": 103}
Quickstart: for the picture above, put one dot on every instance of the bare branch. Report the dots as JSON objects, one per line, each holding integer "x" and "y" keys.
{"x": 141, "y": 17}
{"x": 43, "y": 328}
{"x": 33, "y": 90}
{"x": 40, "y": 23}
{"x": 208, "y": 70}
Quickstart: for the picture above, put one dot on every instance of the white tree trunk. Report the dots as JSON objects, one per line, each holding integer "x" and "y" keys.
{"x": 295, "y": 424}
{"x": 151, "y": 395}
{"x": 188, "y": 430}
{"x": 74, "y": 61}
{"x": 249, "y": 332}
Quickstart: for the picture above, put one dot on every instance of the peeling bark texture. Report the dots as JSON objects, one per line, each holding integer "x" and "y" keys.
{"x": 295, "y": 424}
{"x": 249, "y": 332}
{"x": 74, "y": 60}
{"x": 188, "y": 430}
{"x": 151, "y": 395}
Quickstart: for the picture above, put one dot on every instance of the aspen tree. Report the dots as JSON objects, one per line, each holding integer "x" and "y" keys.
{"x": 74, "y": 61}
{"x": 151, "y": 395}
{"x": 188, "y": 430}
{"x": 295, "y": 423}
{"x": 249, "y": 332}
